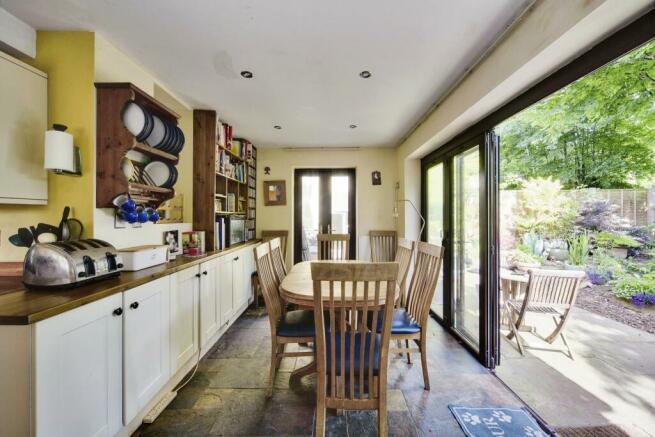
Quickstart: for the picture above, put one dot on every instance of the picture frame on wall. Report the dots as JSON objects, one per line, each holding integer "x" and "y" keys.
{"x": 275, "y": 193}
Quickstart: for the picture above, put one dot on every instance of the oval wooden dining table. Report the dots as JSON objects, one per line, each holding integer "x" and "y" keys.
{"x": 298, "y": 288}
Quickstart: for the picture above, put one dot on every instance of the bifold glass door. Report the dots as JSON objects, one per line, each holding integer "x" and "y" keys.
{"x": 457, "y": 197}
{"x": 324, "y": 202}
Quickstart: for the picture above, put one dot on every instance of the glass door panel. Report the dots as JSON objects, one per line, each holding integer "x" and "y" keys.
{"x": 310, "y": 215}
{"x": 339, "y": 204}
{"x": 435, "y": 226}
{"x": 466, "y": 244}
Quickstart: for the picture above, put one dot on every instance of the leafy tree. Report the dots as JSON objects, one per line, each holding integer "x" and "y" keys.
{"x": 597, "y": 132}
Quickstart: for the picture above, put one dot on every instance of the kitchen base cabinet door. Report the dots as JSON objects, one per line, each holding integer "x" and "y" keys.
{"x": 210, "y": 314}
{"x": 225, "y": 280}
{"x": 185, "y": 287}
{"x": 78, "y": 371}
{"x": 238, "y": 285}
{"x": 249, "y": 267}
{"x": 146, "y": 344}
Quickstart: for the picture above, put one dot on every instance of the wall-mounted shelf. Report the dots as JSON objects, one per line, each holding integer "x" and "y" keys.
{"x": 113, "y": 141}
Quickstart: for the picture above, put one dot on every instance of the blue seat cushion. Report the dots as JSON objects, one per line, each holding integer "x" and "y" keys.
{"x": 299, "y": 323}
{"x": 361, "y": 340}
{"x": 402, "y": 322}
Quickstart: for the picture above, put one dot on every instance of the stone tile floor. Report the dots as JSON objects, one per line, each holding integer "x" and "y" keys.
{"x": 611, "y": 379}
{"x": 227, "y": 394}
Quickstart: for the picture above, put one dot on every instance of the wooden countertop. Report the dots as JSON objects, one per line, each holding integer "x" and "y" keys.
{"x": 21, "y": 306}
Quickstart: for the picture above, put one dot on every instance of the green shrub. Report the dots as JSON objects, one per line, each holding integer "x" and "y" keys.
{"x": 611, "y": 239}
{"x": 602, "y": 261}
{"x": 630, "y": 285}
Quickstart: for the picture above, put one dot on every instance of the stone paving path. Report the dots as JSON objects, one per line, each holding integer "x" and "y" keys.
{"x": 611, "y": 379}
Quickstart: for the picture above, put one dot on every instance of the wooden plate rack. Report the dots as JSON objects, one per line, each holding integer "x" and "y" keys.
{"x": 113, "y": 141}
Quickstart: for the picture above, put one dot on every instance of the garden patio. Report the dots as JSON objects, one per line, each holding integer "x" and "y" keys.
{"x": 610, "y": 381}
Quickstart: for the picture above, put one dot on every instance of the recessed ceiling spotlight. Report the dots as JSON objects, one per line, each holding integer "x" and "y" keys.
{"x": 352, "y": 126}
{"x": 247, "y": 74}
{"x": 277, "y": 126}
{"x": 365, "y": 74}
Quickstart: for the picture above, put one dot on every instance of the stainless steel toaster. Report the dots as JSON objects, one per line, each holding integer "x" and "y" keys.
{"x": 70, "y": 263}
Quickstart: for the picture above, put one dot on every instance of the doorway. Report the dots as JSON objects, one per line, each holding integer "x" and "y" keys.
{"x": 324, "y": 202}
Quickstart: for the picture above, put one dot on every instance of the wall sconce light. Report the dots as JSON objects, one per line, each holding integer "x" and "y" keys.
{"x": 395, "y": 209}
{"x": 61, "y": 155}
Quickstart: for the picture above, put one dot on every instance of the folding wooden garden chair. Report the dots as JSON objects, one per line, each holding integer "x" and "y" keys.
{"x": 549, "y": 293}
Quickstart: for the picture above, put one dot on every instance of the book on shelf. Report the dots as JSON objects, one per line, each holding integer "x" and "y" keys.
{"x": 231, "y": 202}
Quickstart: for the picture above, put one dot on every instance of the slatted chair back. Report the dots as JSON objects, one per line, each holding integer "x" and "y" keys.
{"x": 333, "y": 247}
{"x": 424, "y": 281}
{"x": 268, "y": 285}
{"x": 553, "y": 288}
{"x": 383, "y": 245}
{"x": 404, "y": 255}
{"x": 359, "y": 381}
{"x": 277, "y": 258}
{"x": 282, "y": 235}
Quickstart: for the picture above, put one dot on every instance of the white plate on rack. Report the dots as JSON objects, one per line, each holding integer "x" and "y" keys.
{"x": 158, "y": 133}
{"x": 159, "y": 172}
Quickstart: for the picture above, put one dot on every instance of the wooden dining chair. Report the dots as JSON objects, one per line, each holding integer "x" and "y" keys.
{"x": 333, "y": 247}
{"x": 277, "y": 258}
{"x": 268, "y": 235}
{"x": 383, "y": 245}
{"x": 351, "y": 360}
{"x": 410, "y": 322}
{"x": 286, "y": 326}
{"x": 549, "y": 293}
{"x": 404, "y": 256}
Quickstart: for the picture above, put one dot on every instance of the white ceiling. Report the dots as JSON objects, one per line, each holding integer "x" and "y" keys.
{"x": 306, "y": 56}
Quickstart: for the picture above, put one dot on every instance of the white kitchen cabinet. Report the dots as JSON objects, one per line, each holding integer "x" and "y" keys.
{"x": 185, "y": 294}
{"x": 78, "y": 370}
{"x": 226, "y": 281}
{"x": 249, "y": 266}
{"x": 146, "y": 344}
{"x": 210, "y": 305}
{"x": 23, "y": 122}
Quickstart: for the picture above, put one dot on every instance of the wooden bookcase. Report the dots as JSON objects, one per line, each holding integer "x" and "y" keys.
{"x": 211, "y": 188}
{"x": 113, "y": 141}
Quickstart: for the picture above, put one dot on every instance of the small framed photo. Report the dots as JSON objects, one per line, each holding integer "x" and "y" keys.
{"x": 172, "y": 240}
{"x": 275, "y": 193}
{"x": 376, "y": 178}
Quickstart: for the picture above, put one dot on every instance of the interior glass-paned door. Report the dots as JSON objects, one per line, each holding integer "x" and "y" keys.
{"x": 324, "y": 202}
{"x": 466, "y": 266}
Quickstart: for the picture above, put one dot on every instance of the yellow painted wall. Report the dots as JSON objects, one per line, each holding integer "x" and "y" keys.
{"x": 68, "y": 59}
{"x": 374, "y": 203}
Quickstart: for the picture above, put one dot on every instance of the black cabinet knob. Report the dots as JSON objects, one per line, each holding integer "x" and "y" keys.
{"x": 197, "y": 275}
{"x": 134, "y": 305}
{"x": 236, "y": 259}
{"x": 118, "y": 311}
{"x": 205, "y": 273}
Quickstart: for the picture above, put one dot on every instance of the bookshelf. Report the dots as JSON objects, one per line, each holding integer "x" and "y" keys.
{"x": 224, "y": 180}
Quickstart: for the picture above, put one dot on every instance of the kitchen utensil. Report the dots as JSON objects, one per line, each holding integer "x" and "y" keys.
{"x": 75, "y": 229}
{"x": 62, "y": 227}
{"x": 156, "y": 137}
{"x": 142, "y": 215}
{"x": 17, "y": 241}
{"x": 46, "y": 233}
{"x": 128, "y": 216}
{"x": 63, "y": 264}
{"x": 26, "y": 236}
{"x": 142, "y": 257}
{"x": 158, "y": 171}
